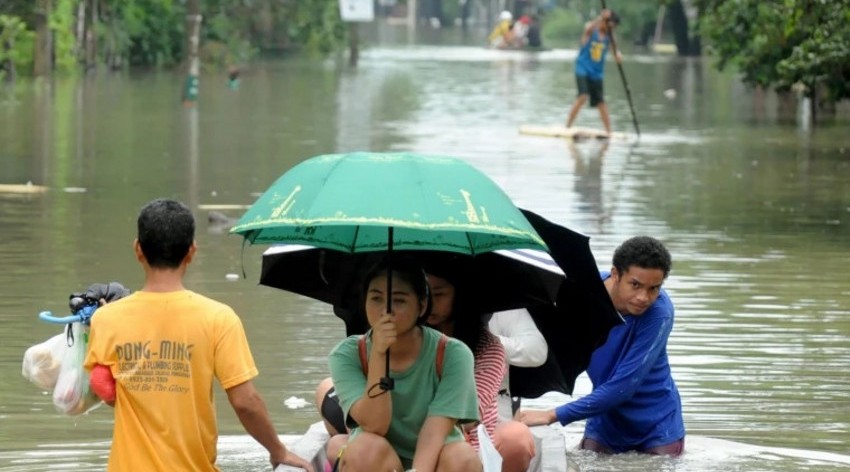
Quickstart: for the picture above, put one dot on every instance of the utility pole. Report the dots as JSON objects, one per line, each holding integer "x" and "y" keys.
{"x": 193, "y": 61}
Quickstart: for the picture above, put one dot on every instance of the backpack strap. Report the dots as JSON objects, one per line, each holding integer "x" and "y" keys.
{"x": 364, "y": 361}
{"x": 441, "y": 354}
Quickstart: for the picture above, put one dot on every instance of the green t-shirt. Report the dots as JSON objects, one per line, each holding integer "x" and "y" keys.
{"x": 418, "y": 393}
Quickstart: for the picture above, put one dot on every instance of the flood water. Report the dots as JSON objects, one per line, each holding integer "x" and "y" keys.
{"x": 755, "y": 211}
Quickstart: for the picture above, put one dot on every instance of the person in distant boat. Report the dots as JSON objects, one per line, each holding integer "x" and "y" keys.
{"x": 590, "y": 66}
{"x": 634, "y": 404}
{"x": 533, "y": 36}
{"x": 502, "y": 34}
{"x": 161, "y": 348}
{"x": 520, "y": 32}
{"x": 416, "y": 424}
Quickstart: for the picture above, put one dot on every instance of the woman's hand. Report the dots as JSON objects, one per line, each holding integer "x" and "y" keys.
{"x": 384, "y": 333}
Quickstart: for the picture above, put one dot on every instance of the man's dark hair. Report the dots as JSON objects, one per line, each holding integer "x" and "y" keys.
{"x": 643, "y": 251}
{"x": 166, "y": 231}
{"x": 614, "y": 19}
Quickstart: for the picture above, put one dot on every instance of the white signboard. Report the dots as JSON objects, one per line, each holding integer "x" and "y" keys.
{"x": 357, "y": 10}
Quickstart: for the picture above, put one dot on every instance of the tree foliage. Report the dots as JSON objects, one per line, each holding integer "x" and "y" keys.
{"x": 782, "y": 43}
{"x": 13, "y": 32}
{"x": 564, "y": 23}
{"x": 150, "y": 33}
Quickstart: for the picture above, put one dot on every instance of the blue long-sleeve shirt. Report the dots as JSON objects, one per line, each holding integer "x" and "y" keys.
{"x": 634, "y": 404}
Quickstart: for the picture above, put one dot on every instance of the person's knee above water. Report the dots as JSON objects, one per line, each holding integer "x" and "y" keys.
{"x": 634, "y": 404}
{"x": 416, "y": 423}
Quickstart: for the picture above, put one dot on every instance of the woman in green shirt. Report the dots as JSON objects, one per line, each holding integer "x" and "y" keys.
{"x": 414, "y": 425}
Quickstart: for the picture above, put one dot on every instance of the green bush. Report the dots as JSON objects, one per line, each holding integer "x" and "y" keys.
{"x": 562, "y": 28}
{"x": 13, "y": 28}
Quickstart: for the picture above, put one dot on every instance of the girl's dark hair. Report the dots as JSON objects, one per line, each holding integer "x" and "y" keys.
{"x": 405, "y": 268}
{"x": 468, "y": 320}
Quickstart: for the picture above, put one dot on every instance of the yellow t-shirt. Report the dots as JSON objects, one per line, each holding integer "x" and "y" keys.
{"x": 164, "y": 349}
{"x": 499, "y": 31}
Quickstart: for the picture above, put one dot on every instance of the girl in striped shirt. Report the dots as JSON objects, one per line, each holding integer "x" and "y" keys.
{"x": 450, "y": 314}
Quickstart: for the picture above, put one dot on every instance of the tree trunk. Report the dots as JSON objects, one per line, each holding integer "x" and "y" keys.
{"x": 786, "y": 106}
{"x": 437, "y": 12}
{"x": 412, "y": 16}
{"x": 814, "y": 104}
{"x": 193, "y": 62}
{"x": 464, "y": 12}
{"x": 80, "y": 32}
{"x": 9, "y": 66}
{"x": 353, "y": 43}
{"x": 43, "y": 60}
{"x": 679, "y": 24}
{"x": 91, "y": 37}
{"x": 826, "y": 105}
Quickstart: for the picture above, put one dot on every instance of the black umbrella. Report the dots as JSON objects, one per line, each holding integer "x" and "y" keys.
{"x": 576, "y": 324}
{"x": 497, "y": 280}
{"x": 570, "y": 306}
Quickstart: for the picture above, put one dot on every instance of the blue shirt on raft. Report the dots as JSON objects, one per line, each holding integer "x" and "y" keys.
{"x": 634, "y": 404}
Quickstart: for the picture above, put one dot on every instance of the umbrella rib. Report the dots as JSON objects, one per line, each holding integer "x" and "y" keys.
{"x": 470, "y": 244}
{"x": 354, "y": 239}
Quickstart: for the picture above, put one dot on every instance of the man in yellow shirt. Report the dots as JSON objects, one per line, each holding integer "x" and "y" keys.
{"x": 164, "y": 345}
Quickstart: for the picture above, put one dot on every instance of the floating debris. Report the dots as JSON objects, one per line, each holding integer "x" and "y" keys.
{"x": 293, "y": 403}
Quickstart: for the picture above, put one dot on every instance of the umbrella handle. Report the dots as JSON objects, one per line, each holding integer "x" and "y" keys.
{"x": 387, "y": 383}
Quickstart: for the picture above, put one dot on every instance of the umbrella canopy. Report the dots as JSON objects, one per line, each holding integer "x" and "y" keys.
{"x": 498, "y": 280}
{"x": 576, "y": 324}
{"x": 363, "y": 202}
{"x": 347, "y": 202}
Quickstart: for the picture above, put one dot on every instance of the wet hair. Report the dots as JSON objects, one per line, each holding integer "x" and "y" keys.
{"x": 643, "y": 251}
{"x": 404, "y": 268}
{"x": 166, "y": 231}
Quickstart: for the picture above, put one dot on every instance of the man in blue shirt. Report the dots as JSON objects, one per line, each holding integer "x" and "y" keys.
{"x": 590, "y": 65}
{"x": 634, "y": 405}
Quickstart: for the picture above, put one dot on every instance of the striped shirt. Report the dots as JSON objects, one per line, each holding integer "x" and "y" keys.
{"x": 490, "y": 368}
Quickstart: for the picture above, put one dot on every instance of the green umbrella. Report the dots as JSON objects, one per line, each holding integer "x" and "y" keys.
{"x": 347, "y": 202}
{"x": 364, "y": 201}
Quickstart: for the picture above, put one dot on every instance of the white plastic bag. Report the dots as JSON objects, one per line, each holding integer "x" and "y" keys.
{"x": 490, "y": 457}
{"x": 42, "y": 362}
{"x": 72, "y": 394}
